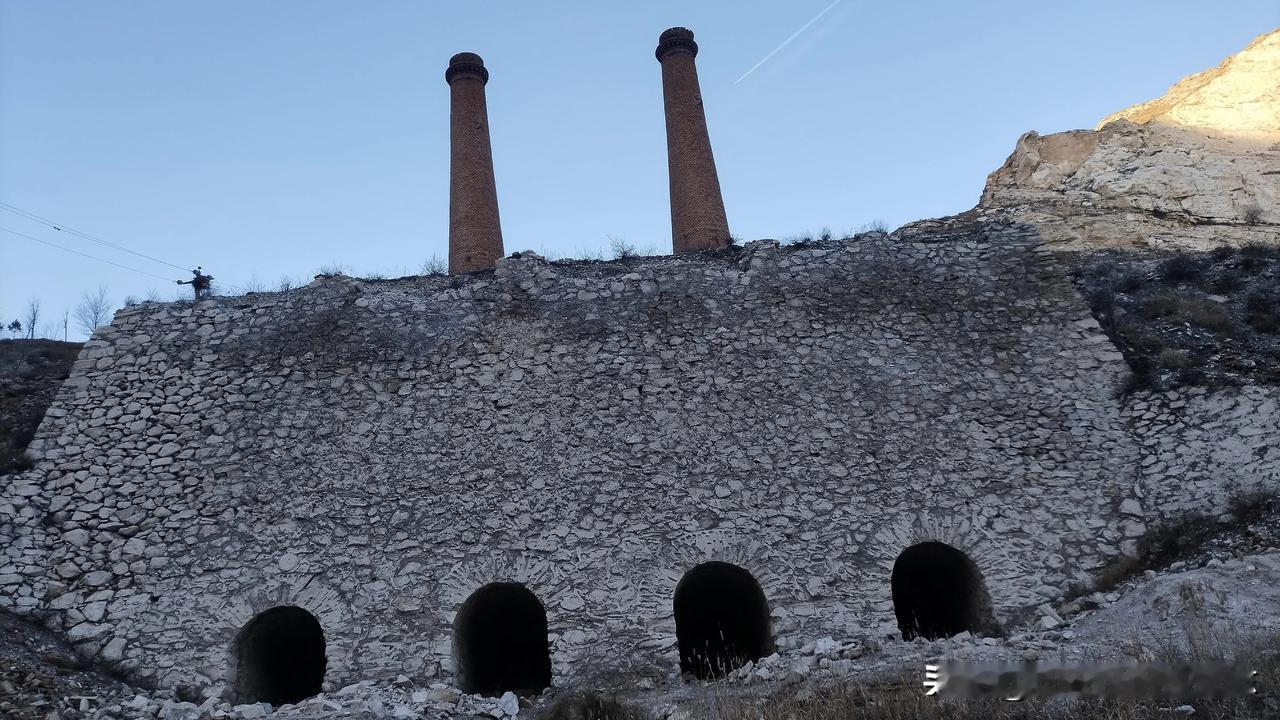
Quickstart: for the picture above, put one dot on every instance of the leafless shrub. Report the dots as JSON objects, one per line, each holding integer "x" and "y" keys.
{"x": 590, "y": 254}
{"x": 622, "y": 249}
{"x": 1253, "y": 214}
{"x": 434, "y": 265}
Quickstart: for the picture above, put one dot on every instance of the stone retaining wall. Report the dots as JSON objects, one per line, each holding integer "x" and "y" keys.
{"x": 375, "y": 451}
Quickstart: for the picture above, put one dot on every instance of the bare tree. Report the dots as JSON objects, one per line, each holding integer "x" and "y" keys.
{"x": 94, "y": 310}
{"x": 66, "y": 320}
{"x": 33, "y": 317}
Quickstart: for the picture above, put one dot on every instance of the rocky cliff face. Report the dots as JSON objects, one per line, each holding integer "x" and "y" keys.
{"x": 1196, "y": 168}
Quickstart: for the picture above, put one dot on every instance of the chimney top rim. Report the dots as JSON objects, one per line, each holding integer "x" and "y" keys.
{"x": 676, "y": 39}
{"x": 466, "y": 64}
{"x": 466, "y": 57}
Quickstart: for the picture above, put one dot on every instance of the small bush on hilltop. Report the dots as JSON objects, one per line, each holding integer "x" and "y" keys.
{"x": 1129, "y": 283}
{"x": 1203, "y": 313}
{"x": 1263, "y": 311}
{"x": 1180, "y": 269}
{"x": 1226, "y": 284}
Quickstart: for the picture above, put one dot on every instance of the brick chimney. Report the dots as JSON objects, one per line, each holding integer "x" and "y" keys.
{"x": 475, "y": 235}
{"x": 697, "y": 211}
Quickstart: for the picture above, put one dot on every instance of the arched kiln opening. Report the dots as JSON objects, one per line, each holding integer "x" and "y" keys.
{"x": 722, "y": 620}
{"x": 280, "y": 657}
{"x": 500, "y": 641}
{"x": 939, "y": 592}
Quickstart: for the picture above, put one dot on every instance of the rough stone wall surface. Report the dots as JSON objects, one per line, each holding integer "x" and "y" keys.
{"x": 1198, "y": 449}
{"x": 698, "y": 220}
{"x": 375, "y": 451}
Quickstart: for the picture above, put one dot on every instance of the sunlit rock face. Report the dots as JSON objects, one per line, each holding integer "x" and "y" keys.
{"x": 1195, "y": 168}
{"x": 1239, "y": 98}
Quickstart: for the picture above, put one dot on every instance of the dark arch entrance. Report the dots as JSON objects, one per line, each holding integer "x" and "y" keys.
{"x": 500, "y": 641}
{"x": 280, "y": 657}
{"x": 939, "y": 592}
{"x": 722, "y": 620}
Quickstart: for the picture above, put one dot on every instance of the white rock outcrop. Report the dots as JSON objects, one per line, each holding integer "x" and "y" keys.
{"x": 1240, "y": 98}
{"x": 1195, "y": 168}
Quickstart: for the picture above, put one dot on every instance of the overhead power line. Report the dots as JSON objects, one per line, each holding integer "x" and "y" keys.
{"x": 77, "y": 252}
{"x": 72, "y": 231}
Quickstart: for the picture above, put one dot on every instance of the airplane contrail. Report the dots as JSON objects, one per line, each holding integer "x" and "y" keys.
{"x": 786, "y": 42}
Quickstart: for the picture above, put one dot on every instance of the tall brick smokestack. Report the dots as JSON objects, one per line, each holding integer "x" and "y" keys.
{"x": 475, "y": 235}
{"x": 697, "y": 211}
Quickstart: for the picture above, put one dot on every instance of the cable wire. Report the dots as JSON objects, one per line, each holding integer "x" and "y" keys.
{"x": 77, "y": 252}
{"x": 72, "y": 231}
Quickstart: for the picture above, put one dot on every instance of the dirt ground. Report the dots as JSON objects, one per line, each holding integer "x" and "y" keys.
{"x": 41, "y": 678}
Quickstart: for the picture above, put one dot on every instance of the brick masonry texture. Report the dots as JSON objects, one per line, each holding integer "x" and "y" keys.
{"x": 375, "y": 451}
{"x": 475, "y": 233}
{"x": 698, "y": 219}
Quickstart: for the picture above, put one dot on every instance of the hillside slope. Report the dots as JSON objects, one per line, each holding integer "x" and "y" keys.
{"x": 31, "y": 371}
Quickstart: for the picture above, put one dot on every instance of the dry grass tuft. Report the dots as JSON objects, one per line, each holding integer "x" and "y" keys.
{"x": 905, "y": 699}
{"x": 593, "y": 706}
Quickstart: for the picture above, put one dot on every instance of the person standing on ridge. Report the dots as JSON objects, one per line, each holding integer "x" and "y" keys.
{"x": 202, "y": 284}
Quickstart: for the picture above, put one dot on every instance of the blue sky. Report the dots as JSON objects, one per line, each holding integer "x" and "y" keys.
{"x": 263, "y": 140}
